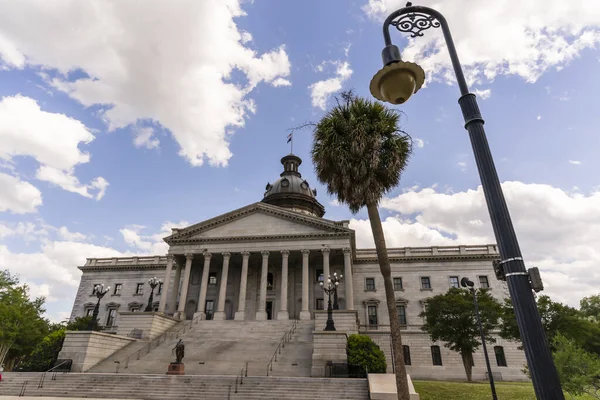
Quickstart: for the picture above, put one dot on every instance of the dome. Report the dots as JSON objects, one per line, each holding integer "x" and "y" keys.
{"x": 293, "y": 192}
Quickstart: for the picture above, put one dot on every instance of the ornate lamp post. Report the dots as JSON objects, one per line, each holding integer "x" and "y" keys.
{"x": 330, "y": 289}
{"x": 395, "y": 83}
{"x": 466, "y": 282}
{"x": 153, "y": 282}
{"x": 99, "y": 291}
{"x": 335, "y": 280}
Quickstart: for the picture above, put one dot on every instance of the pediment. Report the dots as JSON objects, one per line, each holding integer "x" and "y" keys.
{"x": 258, "y": 220}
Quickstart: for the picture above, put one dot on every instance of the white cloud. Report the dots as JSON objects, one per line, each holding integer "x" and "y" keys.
{"x": 169, "y": 62}
{"x": 321, "y": 91}
{"x": 539, "y": 117}
{"x": 558, "y": 231}
{"x": 281, "y": 82}
{"x": 483, "y": 94}
{"x": 462, "y": 165}
{"x": 52, "y": 139}
{"x": 144, "y": 137}
{"x": 532, "y": 38}
{"x": 18, "y": 196}
{"x": 28, "y": 231}
{"x": 575, "y": 162}
{"x": 334, "y": 203}
{"x": 67, "y": 235}
{"x": 153, "y": 244}
{"x": 419, "y": 142}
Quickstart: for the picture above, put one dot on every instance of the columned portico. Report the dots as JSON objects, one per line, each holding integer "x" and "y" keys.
{"x": 204, "y": 285}
{"x": 305, "y": 312}
{"x": 166, "y": 284}
{"x": 261, "y": 314}
{"x": 174, "y": 291}
{"x": 283, "y": 313}
{"x": 220, "y": 314}
{"x": 348, "y": 278}
{"x": 240, "y": 314}
{"x": 184, "y": 288}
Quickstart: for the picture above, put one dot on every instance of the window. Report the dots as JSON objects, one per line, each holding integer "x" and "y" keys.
{"x": 135, "y": 309}
{"x": 270, "y": 280}
{"x": 436, "y": 355}
{"x": 372, "y": 312}
{"x": 89, "y": 312}
{"x": 500, "y": 358}
{"x": 398, "y": 284}
{"x": 406, "y": 351}
{"x": 160, "y": 285}
{"x": 454, "y": 282}
{"x": 319, "y": 275}
{"x": 112, "y": 314}
{"x": 212, "y": 278}
{"x": 139, "y": 289}
{"x": 319, "y": 304}
{"x": 118, "y": 288}
{"x": 94, "y": 288}
{"x": 401, "y": 314}
{"x": 370, "y": 284}
{"x": 210, "y": 306}
{"x": 425, "y": 282}
{"x": 483, "y": 282}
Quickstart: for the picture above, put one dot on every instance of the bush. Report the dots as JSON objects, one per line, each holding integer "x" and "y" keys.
{"x": 363, "y": 352}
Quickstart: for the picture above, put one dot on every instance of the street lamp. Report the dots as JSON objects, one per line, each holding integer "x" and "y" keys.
{"x": 395, "y": 83}
{"x": 330, "y": 288}
{"x": 99, "y": 291}
{"x": 466, "y": 282}
{"x": 335, "y": 280}
{"x": 153, "y": 282}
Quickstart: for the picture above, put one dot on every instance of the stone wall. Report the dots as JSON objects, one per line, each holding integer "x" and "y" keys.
{"x": 344, "y": 320}
{"x": 327, "y": 346}
{"x": 151, "y": 324}
{"x": 86, "y": 348}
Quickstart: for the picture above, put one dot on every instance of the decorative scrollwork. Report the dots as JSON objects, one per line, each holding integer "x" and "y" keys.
{"x": 415, "y": 23}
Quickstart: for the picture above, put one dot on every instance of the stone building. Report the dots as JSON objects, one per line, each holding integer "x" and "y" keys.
{"x": 265, "y": 261}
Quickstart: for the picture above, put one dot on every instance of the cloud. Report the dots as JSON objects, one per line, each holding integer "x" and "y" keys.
{"x": 334, "y": 203}
{"x": 419, "y": 143}
{"x": 321, "y": 90}
{"x": 546, "y": 219}
{"x": 575, "y": 162}
{"x": 144, "y": 137}
{"x": 483, "y": 94}
{"x": 281, "y": 82}
{"x": 539, "y": 117}
{"x": 28, "y": 231}
{"x": 532, "y": 38}
{"x": 462, "y": 165}
{"x": 154, "y": 243}
{"x": 18, "y": 196}
{"x": 67, "y": 235}
{"x": 168, "y": 62}
{"x": 52, "y": 139}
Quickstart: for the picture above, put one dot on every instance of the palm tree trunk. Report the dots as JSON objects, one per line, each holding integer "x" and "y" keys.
{"x": 467, "y": 363}
{"x": 390, "y": 298}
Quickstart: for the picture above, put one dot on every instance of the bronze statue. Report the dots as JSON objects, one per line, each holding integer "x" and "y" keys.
{"x": 179, "y": 351}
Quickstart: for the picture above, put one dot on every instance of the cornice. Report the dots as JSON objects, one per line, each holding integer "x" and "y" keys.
{"x": 262, "y": 238}
{"x": 109, "y": 267}
{"x": 441, "y": 257}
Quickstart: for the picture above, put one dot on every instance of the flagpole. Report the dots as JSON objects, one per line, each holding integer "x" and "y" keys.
{"x": 292, "y": 144}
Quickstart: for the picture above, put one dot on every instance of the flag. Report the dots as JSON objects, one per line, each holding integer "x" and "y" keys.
{"x": 289, "y": 139}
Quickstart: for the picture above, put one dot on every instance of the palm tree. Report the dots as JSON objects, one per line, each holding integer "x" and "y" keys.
{"x": 359, "y": 152}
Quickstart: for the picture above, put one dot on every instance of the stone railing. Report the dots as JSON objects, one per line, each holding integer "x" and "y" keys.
{"x": 101, "y": 262}
{"x": 490, "y": 249}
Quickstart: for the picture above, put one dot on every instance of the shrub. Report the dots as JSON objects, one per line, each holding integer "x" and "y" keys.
{"x": 364, "y": 353}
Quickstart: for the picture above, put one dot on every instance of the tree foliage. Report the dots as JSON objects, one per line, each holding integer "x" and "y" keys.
{"x": 359, "y": 153}
{"x": 590, "y": 307}
{"x": 579, "y": 370}
{"x": 21, "y": 322}
{"x": 556, "y": 318}
{"x": 451, "y": 318}
{"x": 362, "y": 351}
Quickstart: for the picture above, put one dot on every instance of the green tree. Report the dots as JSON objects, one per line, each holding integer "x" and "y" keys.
{"x": 590, "y": 307}
{"x": 556, "y": 318}
{"x": 579, "y": 370}
{"x": 359, "y": 153}
{"x": 21, "y": 323}
{"x": 451, "y": 318}
{"x": 361, "y": 350}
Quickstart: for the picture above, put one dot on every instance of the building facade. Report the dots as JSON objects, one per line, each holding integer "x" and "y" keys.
{"x": 265, "y": 261}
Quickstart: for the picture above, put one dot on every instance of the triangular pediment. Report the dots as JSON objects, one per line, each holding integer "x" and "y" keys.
{"x": 258, "y": 219}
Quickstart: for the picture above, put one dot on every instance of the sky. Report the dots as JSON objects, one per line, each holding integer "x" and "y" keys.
{"x": 122, "y": 119}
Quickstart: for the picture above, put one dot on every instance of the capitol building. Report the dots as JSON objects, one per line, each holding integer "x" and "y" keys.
{"x": 257, "y": 271}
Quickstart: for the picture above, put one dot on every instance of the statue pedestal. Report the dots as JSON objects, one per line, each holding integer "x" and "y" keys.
{"x": 176, "y": 369}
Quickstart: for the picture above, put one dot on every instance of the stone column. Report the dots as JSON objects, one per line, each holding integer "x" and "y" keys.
{"x": 184, "y": 288}
{"x": 220, "y": 314}
{"x": 204, "y": 285}
{"x": 261, "y": 314}
{"x": 166, "y": 282}
{"x": 325, "y": 251}
{"x": 175, "y": 291}
{"x": 348, "y": 279}
{"x": 283, "y": 310}
{"x": 305, "y": 312}
{"x": 240, "y": 314}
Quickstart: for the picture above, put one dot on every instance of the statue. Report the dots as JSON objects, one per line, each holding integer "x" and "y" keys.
{"x": 179, "y": 351}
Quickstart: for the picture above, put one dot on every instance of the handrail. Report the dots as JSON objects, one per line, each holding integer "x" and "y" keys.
{"x": 285, "y": 338}
{"x": 240, "y": 376}
{"x": 42, "y": 378}
{"x": 156, "y": 342}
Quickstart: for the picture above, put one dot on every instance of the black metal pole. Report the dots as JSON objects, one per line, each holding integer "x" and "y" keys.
{"x": 539, "y": 358}
{"x": 94, "y": 321}
{"x": 149, "y": 306}
{"x": 336, "y": 306}
{"x": 485, "y": 353}
{"x": 329, "y": 326}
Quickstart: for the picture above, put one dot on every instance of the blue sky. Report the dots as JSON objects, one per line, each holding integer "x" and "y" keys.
{"x": 119, "y": 122}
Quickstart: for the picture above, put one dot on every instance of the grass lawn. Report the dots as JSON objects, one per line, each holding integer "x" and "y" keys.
{"x": 443, "y": 390}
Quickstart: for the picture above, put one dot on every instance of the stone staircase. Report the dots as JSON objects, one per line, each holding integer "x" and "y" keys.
{"x": 163, "y": 387}
{"x": 224, "y": 348}
{"x": 295, "y": 359}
